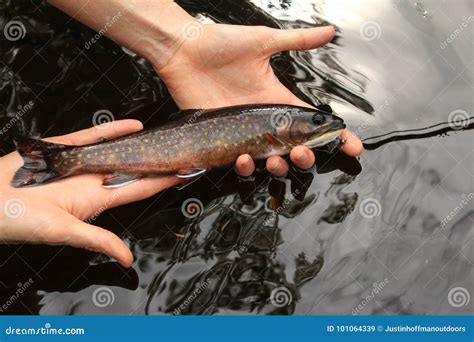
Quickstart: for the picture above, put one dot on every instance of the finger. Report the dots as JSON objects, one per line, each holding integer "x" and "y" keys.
{"x": 244, "y": 165}
{"x": 107, "y": 130}
{"x": 139, "y": 190}
{"x": 302, "y": 157}
{"x": 277, "y": 166}
{"x": 352, "y": 146}
{"x": 298, "y": 39}
{"x": 73, "y": 232}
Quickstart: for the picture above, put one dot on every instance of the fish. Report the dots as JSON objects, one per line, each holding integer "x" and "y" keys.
{"x": 197, "y": 141}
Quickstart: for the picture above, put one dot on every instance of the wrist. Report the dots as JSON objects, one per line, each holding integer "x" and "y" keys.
{"x": 164, "y": 38}
{"x": 153, "y": 29}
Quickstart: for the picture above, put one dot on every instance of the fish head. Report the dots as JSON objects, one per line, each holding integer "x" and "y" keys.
{"x": 313, "y": 128}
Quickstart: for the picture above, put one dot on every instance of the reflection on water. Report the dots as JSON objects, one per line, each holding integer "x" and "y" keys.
{"x": 370, "y": 236}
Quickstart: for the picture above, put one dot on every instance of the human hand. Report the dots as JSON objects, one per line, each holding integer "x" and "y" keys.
{"x": 209, "y": 65}
{"x": 53, "y": 213}
{"x": 225, "y": 65}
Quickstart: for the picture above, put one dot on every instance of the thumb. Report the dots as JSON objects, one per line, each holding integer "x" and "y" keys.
{"x": 76, "y": 233}
{"x": 298, "y": 39}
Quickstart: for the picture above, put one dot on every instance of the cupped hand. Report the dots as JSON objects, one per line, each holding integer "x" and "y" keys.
{"x": 222, "y": 65}
{"x": 54, "y": 213}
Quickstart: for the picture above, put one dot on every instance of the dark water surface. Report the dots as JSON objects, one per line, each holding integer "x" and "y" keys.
{"x": 393, "y": 235}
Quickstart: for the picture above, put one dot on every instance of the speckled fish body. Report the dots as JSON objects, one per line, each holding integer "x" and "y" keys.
{"x": 198, "y": 140}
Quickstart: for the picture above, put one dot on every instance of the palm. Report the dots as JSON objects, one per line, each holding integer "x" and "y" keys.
{"x": 231, "y": 65}
{"x": 53, "y": 213}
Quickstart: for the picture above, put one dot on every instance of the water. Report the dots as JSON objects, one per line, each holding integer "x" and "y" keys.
{"x": 389, "y": 234}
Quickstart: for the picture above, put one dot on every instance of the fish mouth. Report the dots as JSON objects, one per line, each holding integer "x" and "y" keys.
{"x": 326, "y": 134}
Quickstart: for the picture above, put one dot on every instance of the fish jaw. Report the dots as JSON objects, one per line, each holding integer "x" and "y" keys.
{"x": 323, "y": 139}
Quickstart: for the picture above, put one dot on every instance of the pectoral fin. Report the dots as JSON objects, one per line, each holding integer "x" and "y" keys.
{"x": 118, "y": 180}
{"x": 274, "y": 141}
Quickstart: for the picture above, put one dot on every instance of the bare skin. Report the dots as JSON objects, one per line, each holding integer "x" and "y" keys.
{"x": 203, "y": 66}
{"x": 233, "y": 61}
{"x": 53, "y": 213}
{"x": 211, "y": 65}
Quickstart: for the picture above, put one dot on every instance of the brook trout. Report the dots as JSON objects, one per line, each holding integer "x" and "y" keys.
{"x": 196, "y": 142}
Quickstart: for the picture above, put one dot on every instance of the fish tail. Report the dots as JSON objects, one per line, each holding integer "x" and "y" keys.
{"x": 38, "y": 167}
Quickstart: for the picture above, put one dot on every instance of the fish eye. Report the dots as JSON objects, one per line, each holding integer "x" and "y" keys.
{"x": 318, "y": 119}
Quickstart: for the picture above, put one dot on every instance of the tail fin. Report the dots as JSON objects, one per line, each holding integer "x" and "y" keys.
{"x": 38, "y": 167}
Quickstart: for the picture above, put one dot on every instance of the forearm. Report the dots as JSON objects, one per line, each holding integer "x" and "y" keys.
{"x": 152, "y": 28}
